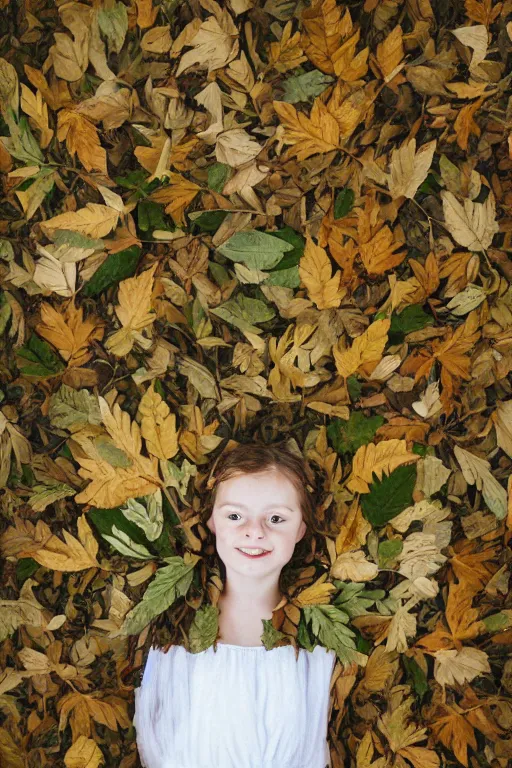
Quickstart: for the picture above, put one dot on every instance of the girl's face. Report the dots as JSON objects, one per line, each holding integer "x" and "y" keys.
{"x": 256, "y": 511}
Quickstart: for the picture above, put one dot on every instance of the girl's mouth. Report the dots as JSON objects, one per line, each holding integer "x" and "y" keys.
{"x": 253, "y": 557}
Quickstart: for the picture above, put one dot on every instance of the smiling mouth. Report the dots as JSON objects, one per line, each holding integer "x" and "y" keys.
{"x": 248, "y": 552}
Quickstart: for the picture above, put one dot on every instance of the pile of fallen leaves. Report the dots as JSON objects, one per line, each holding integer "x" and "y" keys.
{"x": 250, "y": 220}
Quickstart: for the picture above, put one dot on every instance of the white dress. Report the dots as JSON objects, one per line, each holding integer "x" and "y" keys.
{"x": 237, "y": 707}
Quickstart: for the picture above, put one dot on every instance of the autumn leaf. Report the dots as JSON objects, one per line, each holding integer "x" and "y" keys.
{"x": 177, "y": 195}
{"x": 69, "y": 332}
{"x": 70, "y": 555}
{"x": 317, "y": 134}
{"x": 134, "y": 313}
{"x": 315, "y": 271}
{"x": 82, "y": 139}
{"x": 366, "y": 350}
{"x": 158, "y": 426}
{"x": 94, "y": 220}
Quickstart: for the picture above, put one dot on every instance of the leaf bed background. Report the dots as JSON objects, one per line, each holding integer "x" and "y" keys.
{"x": 257, "y": 220}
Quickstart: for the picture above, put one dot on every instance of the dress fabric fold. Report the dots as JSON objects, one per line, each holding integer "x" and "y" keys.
{"x": 236, "y": 707}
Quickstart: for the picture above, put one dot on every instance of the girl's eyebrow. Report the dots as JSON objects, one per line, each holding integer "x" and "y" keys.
{"x": 242, "y": 506}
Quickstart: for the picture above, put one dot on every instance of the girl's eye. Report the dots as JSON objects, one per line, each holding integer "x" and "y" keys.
{"x": 236, "y": 513}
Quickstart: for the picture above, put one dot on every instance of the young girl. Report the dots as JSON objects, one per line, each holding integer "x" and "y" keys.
{"x": 237, "y": 705}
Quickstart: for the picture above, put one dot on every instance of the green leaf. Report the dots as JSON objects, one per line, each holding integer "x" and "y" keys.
{"x": 354, "y": 387}
{"x": 304, "y": 87}
{"x": 288, "y": 278}
{"x": 44, "y": 495}
{"x": 243, "y": 311}
{"x": 389, "y": 551}
{"x": 126, "y": 546}
{"x": 149, "y": 518}
{"x": 204, "y": 628}
{"x": 416, "y": 676}
{"x": 73, "y": 409}
{"x": 412, "y": 318}
{"x": 115, "y": 528}
{"x": 328, "y": 624}
{"x": 354, "y": 600}
{"x": 389, "y": 496}
{"x": 218, "y": 174}
{"x": 116, "y": 267}
{"x": 25, "y": 568}
{"x": 498, "y": 621}
{"x": 150, "y": 216}
{"x": 210, "y": 221}
{"x": 113, "y": 22}
{"x": 270, "y": 636}
{"x": 5, "y": 312}
{"x": 170, "y": 583}
{"x": 76, "y": 240}
{"x": 344, "y": 202}
{"x": 255, "y": 249}
{"x": 42, "y": 359}
{"x": 348, "y": 436}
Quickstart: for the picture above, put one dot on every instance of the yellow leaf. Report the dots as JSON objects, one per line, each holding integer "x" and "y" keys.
{"x": 146, "y": 13}
{"x": 318, "y": 593}
{"x": 380, "y": 253}
{"x": 36, "y": 108}
{"x": 69, "y": 333}
{"x": 312, "y": 135}
{"x": 157, "y": 40}
{"x": 353, "y": 530}
{"x": 178, "y": 195}
{"x": 390, "y": 53}
{"x": 94, "y": 220}
{"x": 158, "y": 425}
{"x": 366, "y": 350}
{"x": 84, "y": 753}
{"x": 380, "y": 458}
{"x": 82, "y": 139}
{"x": 286, "y": 53}
{"x": 329, "y": 41}
{"x": 324, "y": 32}
{"x": 472, "y": 225}
{"x": 71, "y": 555}
{"x": 134, "y": 313}
{"x": 315, "y": 271}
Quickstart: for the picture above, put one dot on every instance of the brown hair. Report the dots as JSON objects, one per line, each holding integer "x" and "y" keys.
{"x": 256, "y": 457}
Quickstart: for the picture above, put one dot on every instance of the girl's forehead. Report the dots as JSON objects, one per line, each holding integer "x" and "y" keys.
{"x": 266, "y": 481}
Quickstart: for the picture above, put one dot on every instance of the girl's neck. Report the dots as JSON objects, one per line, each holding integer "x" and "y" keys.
{"x": 250, "y": 602}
